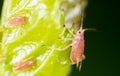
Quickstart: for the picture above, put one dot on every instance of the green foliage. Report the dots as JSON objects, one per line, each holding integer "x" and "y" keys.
{"x": 38, "y": 39}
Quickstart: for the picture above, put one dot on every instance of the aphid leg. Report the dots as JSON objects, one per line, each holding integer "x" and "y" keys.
{"x": 77, "y": 65}
{"x": 63, "y": 49}
{"x": 69, "y": 39}
{"x": 83, "y": 57}
{"x": 71, "y": 32}
{"x": 61, "y": 36}
{"x": 80, "y": 66}
{"x": 62, "y": 32}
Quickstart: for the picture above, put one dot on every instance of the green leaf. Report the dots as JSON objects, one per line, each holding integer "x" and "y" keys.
{"x": 39, "y": 38}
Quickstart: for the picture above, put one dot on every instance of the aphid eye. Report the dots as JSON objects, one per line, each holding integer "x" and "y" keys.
{"x": 79, "y": 32}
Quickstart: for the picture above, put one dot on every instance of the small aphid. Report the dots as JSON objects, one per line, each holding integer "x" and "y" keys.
{"x": 26, "y": 64}
{"x": 77, "y": 50}
{"x": 18, "y": 20}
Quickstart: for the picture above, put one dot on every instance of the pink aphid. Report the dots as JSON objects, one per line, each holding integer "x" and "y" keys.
{"x": 18, "y": 20}
{"x": 77, "y": 50}
{"x": 23, "y": 65}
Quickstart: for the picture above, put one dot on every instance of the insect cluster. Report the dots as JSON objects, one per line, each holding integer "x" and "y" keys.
{"x": 71, "y": 17}
{"x": 77, "y": 50}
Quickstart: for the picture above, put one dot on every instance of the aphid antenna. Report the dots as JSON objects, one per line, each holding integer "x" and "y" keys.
{"x": 89, "y": 29}
{"x": 81, "y": 27}
{"x": 86, "y": 29}
{"x": 28, "y": 58}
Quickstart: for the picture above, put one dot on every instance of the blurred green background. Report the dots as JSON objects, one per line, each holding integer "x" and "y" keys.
{"x": 102, "y": 47}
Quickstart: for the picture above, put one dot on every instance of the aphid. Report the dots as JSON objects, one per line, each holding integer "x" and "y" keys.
{"x": 18, "y": 20}
{"x": 26, "y": 64}
{"x": 77, "y": 50}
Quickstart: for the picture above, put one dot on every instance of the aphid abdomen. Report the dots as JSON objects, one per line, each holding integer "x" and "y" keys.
{"x": 23, "y": 65}
{"x": 77, "y": 49}
{"x": 18, "y": 20}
